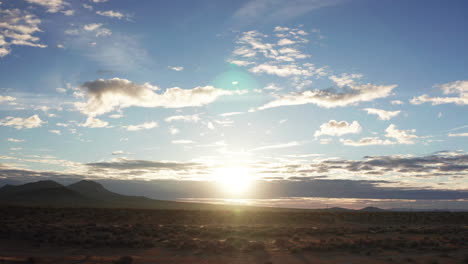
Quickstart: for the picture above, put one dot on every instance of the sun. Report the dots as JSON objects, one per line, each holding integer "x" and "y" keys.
{"x": 234, "y": 180}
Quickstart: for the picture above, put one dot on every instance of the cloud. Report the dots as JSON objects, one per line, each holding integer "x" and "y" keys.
{"x": 127, "y": 164}
{"x": 98, "y": 29}
{"x": 116, "y": 116}
{"x": 457, "y": 87}
{"x": 345, "y": 79}
{"x": 55, "y": 131}
{"x": 69, "y": 12}
{"x": 338, "y": 128}
{"x": 231, "y": 114}
{"x": 93, "y": 122}
{"x": 176, "y": 68}
{"x": 332, "y": 98}
{"x": 278, "y": 146}
{"x": 182, "y": 141}
{"x": 383, "y": 115}
{"x": 458, "y": 134}
{"x": 118, "y": 152}
{"x": 15, "y": 140}
{"x": 146, "y": 125}
{"x": 21, "y": 123}
{"x": 6, "y": 98}
{"x": 280, "y": 70}
{"x": 112, "y": 94}
{"x": 401, "y": 136}
{"x": 143, "y": 177}
{"x": 61, "y": 90}
{"x": 398, "y": 136}
{"x": 396, "y": 102}
{"x": 52, "y": 6}
{"x": 264, "y": 11}
{"x": 285, "y": 41}
{"x": 185, "y": 118}
{"x": 439, "y": 175}
{"x": 173, "y": 130}
{"x": 367, "y": 141}
{"x": 240, "y": 62}
{"x": 17, "y": 27}
{"x": 111, "y": 13}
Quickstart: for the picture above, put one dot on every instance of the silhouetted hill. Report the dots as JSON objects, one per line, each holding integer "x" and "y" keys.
{"x": 40, "y": 185}
{"x": 41, "y": 193}
{"x": 92, "y": 195}
{"x": 337, "y": 209}
{"x": 372, "y": 209}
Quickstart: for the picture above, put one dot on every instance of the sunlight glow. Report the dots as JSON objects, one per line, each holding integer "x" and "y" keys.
{"x": 234, "y": 180}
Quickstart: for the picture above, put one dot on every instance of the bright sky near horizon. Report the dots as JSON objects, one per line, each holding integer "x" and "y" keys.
{"x": 274, "y": 99}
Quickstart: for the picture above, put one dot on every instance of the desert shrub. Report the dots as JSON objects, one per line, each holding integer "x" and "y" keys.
{"x": 255, "y": 246}
{"x": 124, "y": 260}
{"x": 31, "y": 260}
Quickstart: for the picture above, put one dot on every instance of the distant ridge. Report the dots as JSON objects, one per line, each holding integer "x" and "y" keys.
{"x": 90, "y": 194}
{"x": 372, "y": 209}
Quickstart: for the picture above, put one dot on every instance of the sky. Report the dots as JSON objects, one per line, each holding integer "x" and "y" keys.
{"x": 296, "y": 103}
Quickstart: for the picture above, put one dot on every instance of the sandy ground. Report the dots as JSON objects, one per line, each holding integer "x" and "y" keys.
{"x": 22, "y": 252}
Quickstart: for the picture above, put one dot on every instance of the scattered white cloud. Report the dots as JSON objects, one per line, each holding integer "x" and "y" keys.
{"x": 331, "y": 98}
{"x": 186, "y": 118}
{"x": 240, "y": 62}
{"x": 272, "y": 87}
{"x": 398, "y": 136}
{"x": 338, "y": 128}
{"x": 281, "y": 70}
{"x": 176, "y": 68}
{"x": 367, "y": 141}
{"x": 17, "y": 27}
{"x": 61, "y": 90}
{"x": 21, "y": 123}
{"x": 267, "y": 11}
{"x": 458, "y": 134}
{"x": 6, "y": 98}
{"x": 401, "y": 136}
{"x": 397, "y": 102}
{"x": 118, "y": 152}
{"x": 382, "y": 114}
{"x": 146, "y": 125}
{"x": 15, "y": 140}
{"x": 182, "y": 141}
{"x": 98, "y": 29}
{"x": 345, "y": 79}
{"x": 52, "y": 6}
{"x": 116, "y": 116}
{"x": 111, "y": 94}
{"x": 55, "y": 131}
{"x": 285, "y": 41}
{"x": 457, "y": 87}
{"x": 69, "y": 12}
{"x": 278, "y": 146}
{"x": 231, "y": 114}
{"x": 99, "y": 1}
{"x": 93, "y": 122}
{"x": 89, "y": 7}
{"x": 111, "y": 13}
{"x": 173, "y": 130}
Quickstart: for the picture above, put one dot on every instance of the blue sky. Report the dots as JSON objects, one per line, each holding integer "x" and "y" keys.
{"x": 343, "y": 94}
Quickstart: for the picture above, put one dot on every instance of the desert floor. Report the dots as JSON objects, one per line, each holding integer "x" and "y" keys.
{"x": 35, "y": 235}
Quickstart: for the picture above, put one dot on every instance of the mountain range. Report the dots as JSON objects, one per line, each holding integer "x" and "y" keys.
{"x": 91, "y": 194}
{"x": 83, "y": 194}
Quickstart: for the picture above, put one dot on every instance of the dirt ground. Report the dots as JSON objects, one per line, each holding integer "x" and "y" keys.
{"x": 99, "y": 236}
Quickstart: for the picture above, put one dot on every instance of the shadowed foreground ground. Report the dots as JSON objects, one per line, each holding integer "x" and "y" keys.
{"x": 34, "y": 235}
